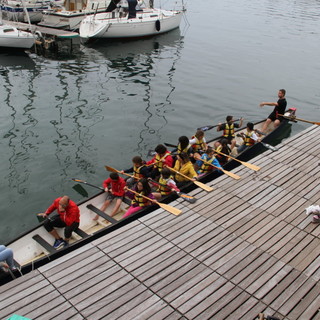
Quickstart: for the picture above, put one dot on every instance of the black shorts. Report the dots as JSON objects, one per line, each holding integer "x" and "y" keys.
{"x": 111, "y": 196}
{"x": 56, "y": 222}
{"x": 273, "y": 117}
{"x": 230, "y": 138}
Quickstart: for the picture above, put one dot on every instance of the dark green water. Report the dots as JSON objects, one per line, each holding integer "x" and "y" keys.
{"x": 68, "y": 117}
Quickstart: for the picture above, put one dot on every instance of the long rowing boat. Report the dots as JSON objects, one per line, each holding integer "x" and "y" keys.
{"x": 34, "y": 248}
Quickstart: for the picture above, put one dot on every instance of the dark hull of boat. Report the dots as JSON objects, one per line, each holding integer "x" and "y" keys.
{"x": 273, "y": 138}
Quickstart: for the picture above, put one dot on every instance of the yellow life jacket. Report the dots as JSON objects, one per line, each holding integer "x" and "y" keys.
{"x": 159, "y": 164}
{"x": 185, "y": 150}
{"x": 206, "y": 167}
{"x": 163, "y": 188}
{"x": 228, "y": 130}
{"x": 248, "y": 141}
{"x": 139, "y": 200}
{"x": 199, "y": 145}
{"x": 136, "y": 172}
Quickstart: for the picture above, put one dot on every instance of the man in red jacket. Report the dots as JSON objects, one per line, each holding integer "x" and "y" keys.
{"x": 68, "y": 217}
{"x": 114, "y": 186}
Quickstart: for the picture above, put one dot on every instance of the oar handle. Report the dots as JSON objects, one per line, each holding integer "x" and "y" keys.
{"x": 181, "y": 174}
{"x": 154, "y": 201}
{"x": 208, "y": 163}
{"x": 115, "y": 170}
{"x": 227, "y": 155}
{"x": 85, "y": 182}
{"x": 206, "y": 128}
{"x": 151, "y": 164}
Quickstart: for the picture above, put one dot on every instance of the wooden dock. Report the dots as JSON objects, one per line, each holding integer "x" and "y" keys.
{"x": 246, "y": 248}
{"x": 58, "y": 33}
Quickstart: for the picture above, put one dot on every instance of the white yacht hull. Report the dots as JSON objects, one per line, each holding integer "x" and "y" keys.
{"x": 148, "y": 22}
{"x": 11, "y": 37}
{"x": 13, "y": 10}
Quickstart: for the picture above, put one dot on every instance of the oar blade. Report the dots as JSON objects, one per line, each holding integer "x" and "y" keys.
{"x": 251, "y": 166}
{"x": 187, "y": 197}
{"x": 170, "y": 209}
{"x": 110, "y": 169}
{"x": 203, "y": 186}
{"x": 82, "y": 191}
{"x": 232, "y": 175}
{"x": 269, "y": 146}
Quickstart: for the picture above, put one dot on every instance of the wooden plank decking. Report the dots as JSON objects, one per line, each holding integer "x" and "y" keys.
{"x": 245, "y": 248}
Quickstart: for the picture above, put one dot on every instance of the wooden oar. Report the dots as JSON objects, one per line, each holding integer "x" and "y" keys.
{"x": 247, "y": 164}
{"x": 118, "y": 171}
{"x": 294, "y": 118}
{"x": 182, "y": 195}
{"x": 164, "y": 206}
{"x": 87, "y": 183}
{"x": 81, "y": 190}
{"x": 170, "y": 145}
{"x": 230, "y": 174}
{"x": 206, "y": 128}
{"x": 198, "y": 183}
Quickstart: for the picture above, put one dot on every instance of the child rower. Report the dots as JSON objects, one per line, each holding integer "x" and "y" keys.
{"x": 139, "y": 170}
{"x": 249, "y": 137}
{"x": 166, "y": 184}
{"x": 199, "y": 145}
{"x": 139, "y": 202}
{"x": 208, "y": 158}
{"x": 184, "y": 146}
{"x": 184, "y": 165}
{"x": 228, "y": 130}
{"x": 223, "y": 148}
{"x": 114, "y": 186}
{"x": 161, "y": 159}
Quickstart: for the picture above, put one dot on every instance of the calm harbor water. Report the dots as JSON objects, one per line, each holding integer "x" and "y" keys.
{"x": 69, "y": 116}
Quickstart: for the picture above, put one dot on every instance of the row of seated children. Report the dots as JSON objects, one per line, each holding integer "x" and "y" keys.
{"x": 192, "y": 159}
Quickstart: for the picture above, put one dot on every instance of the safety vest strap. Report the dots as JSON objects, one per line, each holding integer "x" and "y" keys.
{"x": 248, "y": 141}
{"x": 206, "y": 167}
{"x": 139, "y": 200}
{"x": 228, "y": 130}
{"x": 163, "y": 188}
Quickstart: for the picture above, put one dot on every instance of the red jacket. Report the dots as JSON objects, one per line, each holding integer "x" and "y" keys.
{"x": 117, "y": 187}
{"x": 71, "y": 215}
{"x": 168, "y": 160}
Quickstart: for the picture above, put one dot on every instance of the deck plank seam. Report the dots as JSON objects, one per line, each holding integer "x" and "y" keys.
{"x": 227, "y": 279}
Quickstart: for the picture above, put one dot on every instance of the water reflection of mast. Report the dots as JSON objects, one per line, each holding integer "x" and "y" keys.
{"x": 160, "y": 106}
{"x": 16, "y": 177}
{"x": 68, "y": 151}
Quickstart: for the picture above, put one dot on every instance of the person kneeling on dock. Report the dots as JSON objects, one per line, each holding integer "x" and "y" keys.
{"x": 138, "y": 202}
{"x": 68, "y": 217}
{"x": 208, "y": 159}
{"x": 166, "y": 184}
{"x": 114, "y": 186}
{"x": 249, "y": 138}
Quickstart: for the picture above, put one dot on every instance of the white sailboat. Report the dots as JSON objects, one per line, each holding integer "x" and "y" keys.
{"x": 72, "y": 13}
{"x": 129, "y": 22}
{"x": 13, "y": 9}
{"x": 11, "y": 37}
